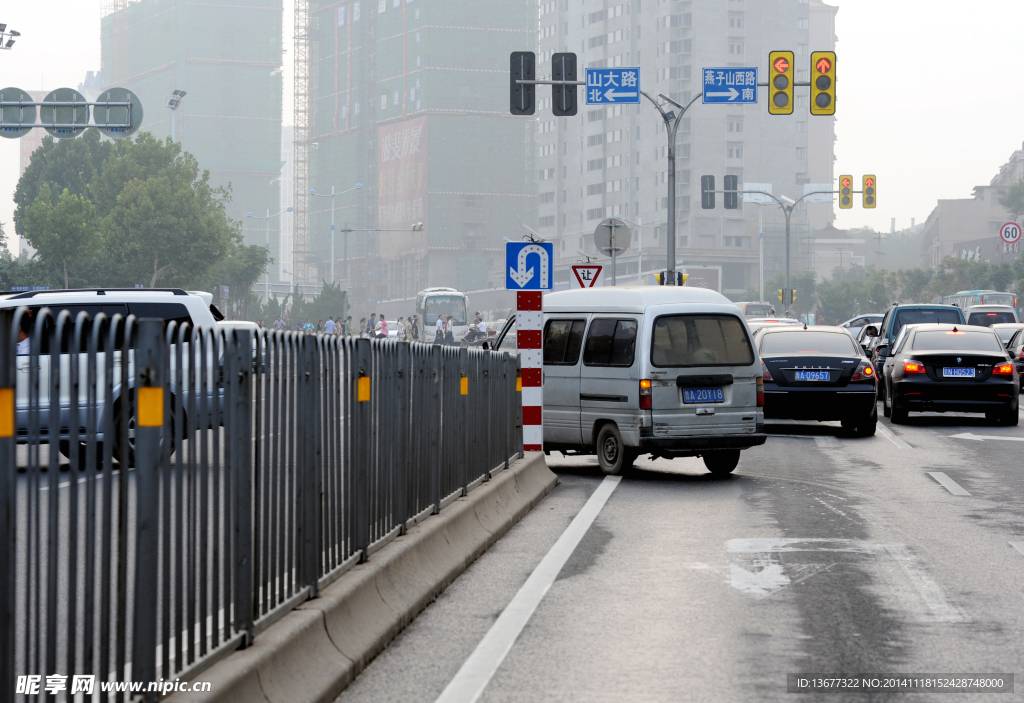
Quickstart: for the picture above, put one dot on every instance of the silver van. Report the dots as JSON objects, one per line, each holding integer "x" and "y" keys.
{"x": 665, "y": 371}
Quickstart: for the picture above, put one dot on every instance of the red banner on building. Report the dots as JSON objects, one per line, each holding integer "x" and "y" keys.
{"x": 402, "y": 197}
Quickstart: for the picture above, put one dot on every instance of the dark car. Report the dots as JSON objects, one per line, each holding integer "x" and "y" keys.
{"x": 1015, "y": 347}
{"x": 951, "y": 368}
{"x": 817, "y": 373}
{"x": 899, "y": 316}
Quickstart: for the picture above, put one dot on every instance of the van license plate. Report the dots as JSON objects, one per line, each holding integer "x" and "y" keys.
{"x": 703, "y": 395}
{"x": 957, "y": 372}
{"x": 812, "y": 376}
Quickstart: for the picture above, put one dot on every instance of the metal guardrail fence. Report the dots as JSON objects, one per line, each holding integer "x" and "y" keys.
{"x": 214, "y": 482}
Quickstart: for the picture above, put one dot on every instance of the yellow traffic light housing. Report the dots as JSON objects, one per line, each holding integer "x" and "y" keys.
{"x": 845, "y": 192}
{"x": 792, "y": 296}
{"x": 823, "y": 82}
{"x": 870, "y": 184}
{"x": 780, "y": 83}
{"x": 780, "y": 295}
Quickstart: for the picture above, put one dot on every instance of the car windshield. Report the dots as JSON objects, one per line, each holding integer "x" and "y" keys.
{"x": 937, "y": 340}
{"x": 454, "y": 305}
{"x": 925, "y": 317}
{"x": 987, "y": 319}
{"x": 758, "y": 310}
{"x": 1006, "y": 333}
{"x": 700, "y": 340}
{"x": 809, "y": 342}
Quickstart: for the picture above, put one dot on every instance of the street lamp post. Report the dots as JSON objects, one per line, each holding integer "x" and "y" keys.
{"x": 267, "y": 218}
{"x": 173, "y": 101}
{"x": 357, "y": 186}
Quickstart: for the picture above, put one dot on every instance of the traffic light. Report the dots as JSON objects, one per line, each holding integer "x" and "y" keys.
{"x": 732, "y": 200}
{"x": 780, "y": 296}
{"x": 662, "y": 278}
{"x": 792, "y": 296}
{"x": 780, "y": 83}
{"x": 823, "y": 82}
{"x": 707, "y": 192}
{"x": 869, "y": 185}
{"x": 523, "y": 65}
{"x": 563, "y": 97}
{"x": 845, "y": 192}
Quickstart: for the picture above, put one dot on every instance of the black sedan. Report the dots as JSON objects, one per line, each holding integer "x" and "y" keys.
{"x": 818, "y": 373}
{"x": 951, "y": 368}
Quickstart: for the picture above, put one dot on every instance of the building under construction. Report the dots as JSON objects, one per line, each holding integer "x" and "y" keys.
{"x": 410, "y": 99}
{"x": 226, "y": 56}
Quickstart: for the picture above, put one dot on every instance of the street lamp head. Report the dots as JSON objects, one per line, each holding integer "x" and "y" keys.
{"x": 289, "y": 209}
{"x": 248, "y": 214}
{"x": 359, "y": 185}
{"x": 788, "y": 200}
{"x": 657, "y": 224}
{"x": 312, "y": 192}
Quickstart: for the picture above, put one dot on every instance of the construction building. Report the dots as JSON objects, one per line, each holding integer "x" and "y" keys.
{"x": 410, "y": 99}
{"x": 226, "y": 56}
{"x": 612, "y": 160}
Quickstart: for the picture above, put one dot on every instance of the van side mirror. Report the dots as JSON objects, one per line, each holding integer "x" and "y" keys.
{"x": 871, "y": 331}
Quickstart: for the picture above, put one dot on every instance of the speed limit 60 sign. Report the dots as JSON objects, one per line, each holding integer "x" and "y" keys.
{"x": 1010, "y": 233}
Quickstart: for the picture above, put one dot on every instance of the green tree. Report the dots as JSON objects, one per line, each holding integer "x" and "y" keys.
{"x": 241, "y": 269}
{"x": 1013, "y": 199}
{"x": 911, "y": 284}
{"x": 64, "y": 232}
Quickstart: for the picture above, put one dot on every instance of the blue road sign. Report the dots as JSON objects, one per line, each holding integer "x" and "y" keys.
{"x": 613, "y": 86}
{"x": 730, "y": 86}
{"x": 528, "y": 265}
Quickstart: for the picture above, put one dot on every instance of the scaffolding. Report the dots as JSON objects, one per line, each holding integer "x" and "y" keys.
{"x": 300, "y": 222}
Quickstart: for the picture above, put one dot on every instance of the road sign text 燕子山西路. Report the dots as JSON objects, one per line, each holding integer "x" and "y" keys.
{"x": 731, "y": 86}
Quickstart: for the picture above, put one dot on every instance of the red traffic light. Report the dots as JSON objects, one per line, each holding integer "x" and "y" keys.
{"x": 823, "y": 65}
{"x": 869, "y": 181}
{"x": 781, "y": 64}
{"x": 845, "y": 182}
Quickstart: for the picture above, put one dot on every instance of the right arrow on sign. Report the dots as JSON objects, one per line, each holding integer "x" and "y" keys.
{"x": 732, "y": 94}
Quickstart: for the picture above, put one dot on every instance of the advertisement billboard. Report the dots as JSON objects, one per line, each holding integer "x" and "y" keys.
{"x": 402, "y": 195}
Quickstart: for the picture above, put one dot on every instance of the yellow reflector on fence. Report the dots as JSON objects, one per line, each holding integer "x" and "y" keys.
{"x": 6, "y": 412}
{"x": 519, "y": 383}
{"x": 363, "y": 389}
{"x": 151, "y": 407}
{"x": 464, "y": 385}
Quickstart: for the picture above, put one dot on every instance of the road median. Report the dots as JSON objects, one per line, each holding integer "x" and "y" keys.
{"x": 312, "y": 653}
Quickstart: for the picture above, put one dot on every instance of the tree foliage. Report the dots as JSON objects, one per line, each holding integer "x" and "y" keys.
{"x": 1013, "y": 199}
{"x": 65, "y": 231}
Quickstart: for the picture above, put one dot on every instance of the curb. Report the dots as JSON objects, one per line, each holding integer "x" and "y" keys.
{"x": 314, "y": 652}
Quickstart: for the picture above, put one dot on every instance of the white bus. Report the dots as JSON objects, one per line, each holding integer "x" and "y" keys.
{"x": 431, "y": 302}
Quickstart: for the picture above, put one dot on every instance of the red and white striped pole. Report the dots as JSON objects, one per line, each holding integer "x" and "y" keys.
{"x": 529, "y": 326}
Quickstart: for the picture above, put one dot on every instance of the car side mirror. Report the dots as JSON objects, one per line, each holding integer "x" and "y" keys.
{"x": 871, "y": 331}
{"x": 882, "y": 350}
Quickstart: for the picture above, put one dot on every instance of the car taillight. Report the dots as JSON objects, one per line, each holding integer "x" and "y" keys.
{"x": 645, "y": 394}
{"x": 1003, "y": 370}
{"x": 766, "y": 375}
{"x": 760, "y": 391}
{"x": 864, "y": 372}
{"x": 913, "y": 367}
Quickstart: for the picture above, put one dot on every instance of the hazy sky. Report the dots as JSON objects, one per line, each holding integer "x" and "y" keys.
{"x": 928, "y": 96}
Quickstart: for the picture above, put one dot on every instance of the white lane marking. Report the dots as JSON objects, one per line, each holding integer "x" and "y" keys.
{"x": 921, "y": 597}
{"x": 827, "y": 442}
{"x": 471, "y": 680}
{"x": 888, "y": 434}
{"x": 1019, "y": 546}
{"x": 948, "y": 483}
{"x": 983, "y": 437}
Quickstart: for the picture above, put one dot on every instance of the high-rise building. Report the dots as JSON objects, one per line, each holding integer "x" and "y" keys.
{"x": 612, "y": 160}
{"x": 410, "y": 98}
{"x": 226, "y": 56}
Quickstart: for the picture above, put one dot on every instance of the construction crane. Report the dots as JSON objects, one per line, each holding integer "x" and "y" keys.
{"x": 300, "y": 201}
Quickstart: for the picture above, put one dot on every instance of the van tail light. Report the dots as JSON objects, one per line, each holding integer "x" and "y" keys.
{"x": 1003, "y": 370}
{"x": 913, "y": 367}
{"x": 864, "y": 372}
{"x": 760, "y": 391}
{"x": 766, "y": 375}
{"x": 645, "y": 394}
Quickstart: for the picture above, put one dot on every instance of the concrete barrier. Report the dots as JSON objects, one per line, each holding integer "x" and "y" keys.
{"x": 311, "y": 654}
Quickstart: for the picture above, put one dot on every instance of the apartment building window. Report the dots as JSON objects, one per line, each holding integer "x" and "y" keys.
{"x": 734, "y": 124}
{"x": 801, "y": 101}
{"x": 803, "y": 75}
{"x": 546, "y": 174}
{"x": 595, "y": 213}
{"x": 683, "y": 20}
{"x": 595, "y": 17}
{"x": 683, "y": 151}
{"x": 547, "y": 221}
{"x": 595, "y": 140}
{"x": 595, "y": 115}
{"x": 595, "y": 164}
{"x": 684, "y": 124}
{"x": 801, "y": 49}
{"x": 801, "y": 127}
{"x": 801, "y": 152}
{"x": 613, "y": 161}
{"x": 595, "y": 42}
{"x": 683, "y": 202}
{"x": 548, "y": 197}
{"x": 802, "y": 178}
{"x": 736, "y": 46}
{"x": 546, "y": 150}
{"x": 802, "y": 23}
{"x": 734, "y": 151}
{"x": 614, "y": 136}
{"x": 683, "y": 176}
{"x": 595, "y": 189}
{"x": 614, "y": 36}
{"x": 735, "y": 20}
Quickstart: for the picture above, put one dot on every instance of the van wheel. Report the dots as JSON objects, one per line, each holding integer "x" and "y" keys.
{"x": 612, "y": 455}
{"x": 722, "y": 461}
{"x": 82, "y": 447}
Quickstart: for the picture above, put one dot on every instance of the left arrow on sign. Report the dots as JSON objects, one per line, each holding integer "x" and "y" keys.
{"x": 611, "y": 95}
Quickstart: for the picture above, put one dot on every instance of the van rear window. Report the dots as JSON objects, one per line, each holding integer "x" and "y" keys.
{"x": 700, "y": 340}
{"x": 987, "y": 319}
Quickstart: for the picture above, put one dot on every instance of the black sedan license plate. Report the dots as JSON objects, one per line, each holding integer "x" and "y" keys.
{"x": 957, "y": 372}
{"x": 812, "y": 376}
{"x": 704, "y": 395}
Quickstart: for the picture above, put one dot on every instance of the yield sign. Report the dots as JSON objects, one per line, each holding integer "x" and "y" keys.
{"x": 586, "y": 275}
